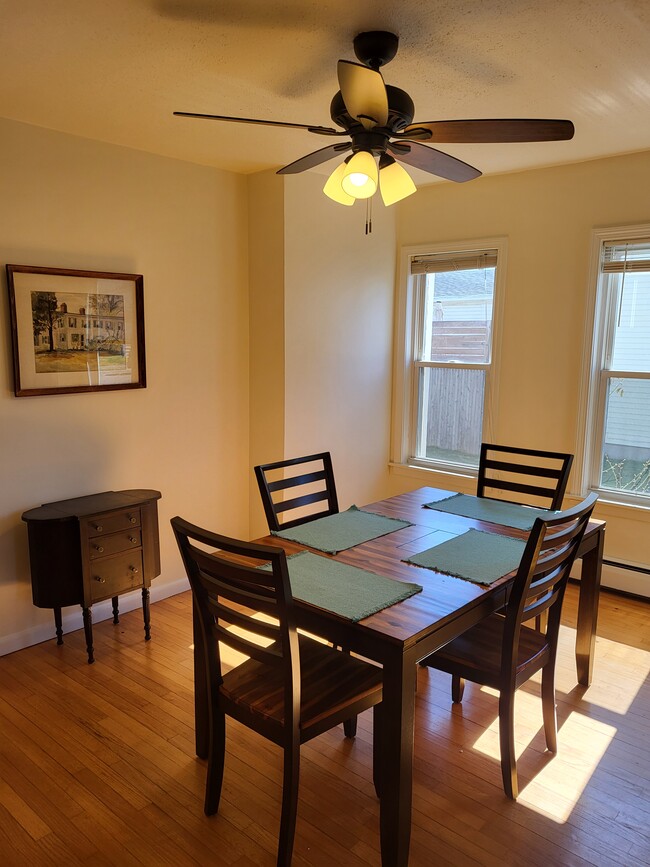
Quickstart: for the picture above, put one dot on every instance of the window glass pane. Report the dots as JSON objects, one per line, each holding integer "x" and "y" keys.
{"x": 450, "y": 414}
{"x": 625, "y": 464}
{"x": 631, "y": 333}
{"x": 458, "y": 315}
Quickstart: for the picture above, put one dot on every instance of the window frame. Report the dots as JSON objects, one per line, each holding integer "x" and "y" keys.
{"x": 599, "y": 340}
{"x": 407, "y": 366}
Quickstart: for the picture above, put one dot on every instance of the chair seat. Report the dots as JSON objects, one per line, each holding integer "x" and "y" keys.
{"x": 333, "y": 684}
{"x": 477, "y": 652}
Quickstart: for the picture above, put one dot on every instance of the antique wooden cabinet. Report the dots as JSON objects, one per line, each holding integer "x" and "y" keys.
{"x": 93, "y": 548}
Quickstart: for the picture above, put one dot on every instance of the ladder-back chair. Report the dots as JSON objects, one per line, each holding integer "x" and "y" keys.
{"x": 501, "y": 651}
{"x": 291, "y": 688}
{"x": 541, "y": 476}
{"x": 315, "y": 485}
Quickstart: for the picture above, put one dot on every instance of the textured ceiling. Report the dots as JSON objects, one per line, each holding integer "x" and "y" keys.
{"x": 115, "y": 70}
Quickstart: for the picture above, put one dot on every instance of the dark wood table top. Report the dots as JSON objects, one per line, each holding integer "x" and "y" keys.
{"x": 442, "y": 596}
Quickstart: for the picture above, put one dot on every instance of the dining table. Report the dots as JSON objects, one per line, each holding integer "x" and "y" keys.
{"x": 399, "y": 636}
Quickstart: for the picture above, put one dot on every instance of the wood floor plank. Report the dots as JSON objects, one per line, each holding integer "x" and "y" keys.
{"x": 98, "y": 763}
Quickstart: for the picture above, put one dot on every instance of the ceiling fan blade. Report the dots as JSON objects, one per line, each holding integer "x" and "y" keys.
{"x": 315, "y": 158}
{"x": 491, "y": 131}
{"x": 321, "y": 130}
{"x": 436, "y": 162}
{"x": 364, "y": 93}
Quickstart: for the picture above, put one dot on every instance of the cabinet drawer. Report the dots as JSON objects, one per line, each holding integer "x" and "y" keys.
{"x": 111, "y": 576}
{"x": 113, "y": 544}
{"x": 101, "y": 525}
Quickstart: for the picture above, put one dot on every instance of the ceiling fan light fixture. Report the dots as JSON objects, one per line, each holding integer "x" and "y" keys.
{"x": 333, "y": 187}
{"x": 395, "y": 183}
{"x": 377, "y": 117}
{"x": 360, "y": 176}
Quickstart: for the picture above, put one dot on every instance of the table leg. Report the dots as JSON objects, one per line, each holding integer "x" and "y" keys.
{"x": 592, "y": 562}
{"x": 116, "y": 609}
{"x": 58, "y": 625}
{"x": 201, "y": 735}
{"x": 396, "y": 779}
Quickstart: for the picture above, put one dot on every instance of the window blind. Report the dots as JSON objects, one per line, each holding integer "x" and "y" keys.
{"x": 626, "y": 256}
{"x": 466, "y": 260}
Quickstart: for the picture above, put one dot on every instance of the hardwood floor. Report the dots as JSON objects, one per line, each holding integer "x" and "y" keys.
{"x": 97, "y": 762}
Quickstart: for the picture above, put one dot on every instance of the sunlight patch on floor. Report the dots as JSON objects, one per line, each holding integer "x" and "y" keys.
{"x": 553, "y": 788}
{"x": 232, "y": 658}
{"x": 605, "y": 691}
{"x": 553, "y": 792}
{"x": 611, "y": 694}
{"x": 582, "y": 743}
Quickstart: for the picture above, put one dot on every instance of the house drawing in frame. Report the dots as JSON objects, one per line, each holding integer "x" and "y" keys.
{"x": 75, "y": 330}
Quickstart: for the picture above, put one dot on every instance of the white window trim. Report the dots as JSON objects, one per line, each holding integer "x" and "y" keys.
{"x": 405, "y": 383}
{"x": 591, "y": 413}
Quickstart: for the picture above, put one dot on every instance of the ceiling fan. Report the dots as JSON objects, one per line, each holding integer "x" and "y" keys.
{"x": 377, "y": 121}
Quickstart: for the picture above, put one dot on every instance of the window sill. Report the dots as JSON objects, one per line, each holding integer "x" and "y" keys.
{"x": 463, "y": 483}
{"x": 607, "y": 507}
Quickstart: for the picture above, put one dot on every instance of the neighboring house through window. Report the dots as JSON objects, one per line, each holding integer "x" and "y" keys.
{"x": 446, "y": 358}
{"x": 616, "y": 408}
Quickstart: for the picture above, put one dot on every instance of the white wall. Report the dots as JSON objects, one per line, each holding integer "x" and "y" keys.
{"x": 548, "y": 216}
{"x": 73, "y": 203}
{"x": 339, "y": 289}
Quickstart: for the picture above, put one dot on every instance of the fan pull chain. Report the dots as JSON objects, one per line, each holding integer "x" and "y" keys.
{"x": 369, "y": 216}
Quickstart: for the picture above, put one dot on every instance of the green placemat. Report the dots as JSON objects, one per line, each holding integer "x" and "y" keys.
{"x": 495, "y": 511}
{"x": 346, "y": 590}
{"x": 344, "y": 530}
{"x": 474, "y": 556}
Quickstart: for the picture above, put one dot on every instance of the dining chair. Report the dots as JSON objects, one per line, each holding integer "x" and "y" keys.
{"x": 291, "y": 688}
{"x": 502, "y": 652}
{"x": 316, "y": 484}
{"x": 538, "y": 474}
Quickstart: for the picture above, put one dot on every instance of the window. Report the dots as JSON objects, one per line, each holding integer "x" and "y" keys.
{"x": 446, "y": 358}
{"x": 617, "y": 437}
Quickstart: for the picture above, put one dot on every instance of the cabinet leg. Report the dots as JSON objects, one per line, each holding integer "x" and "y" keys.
{"x": 58, "y": 625}
{"x": 146, "y": 613}
{"x": 88, "y": 629}
{"x": 116, "y": 610}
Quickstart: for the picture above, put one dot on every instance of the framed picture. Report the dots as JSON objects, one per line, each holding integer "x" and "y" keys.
{"x": 75, "y": 331}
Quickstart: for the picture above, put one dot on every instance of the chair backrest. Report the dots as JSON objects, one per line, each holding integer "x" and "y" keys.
{"x": 316, "y": 482}
{"x": 228, "y": 593}
{"x": 541, "y": 476}
{"x": 541, "y": 580}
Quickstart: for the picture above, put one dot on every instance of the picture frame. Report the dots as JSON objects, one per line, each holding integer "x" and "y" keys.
{"x": 75, "y": 331}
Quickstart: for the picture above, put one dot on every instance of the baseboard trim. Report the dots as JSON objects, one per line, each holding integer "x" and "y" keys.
{"x": 72, "y": 619}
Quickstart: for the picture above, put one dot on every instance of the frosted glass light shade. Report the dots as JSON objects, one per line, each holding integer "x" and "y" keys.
{"x": 360, "y": 177}
{"x": 395, "y": 183}
{"x": 333, "y": 187}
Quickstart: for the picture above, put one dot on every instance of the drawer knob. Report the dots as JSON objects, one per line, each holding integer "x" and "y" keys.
{"x": 134, "y": 569}
{"x": 133, "y": 520}
{"x": 98, "y": 548}
{"x": 132, "y": 539}
{"x": 101, "y": 580}
{"x": 99, "y": 528}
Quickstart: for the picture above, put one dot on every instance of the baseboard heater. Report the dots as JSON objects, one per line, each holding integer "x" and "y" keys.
{"x": 627, "y": 579}
{"x": 644, "y": 570}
